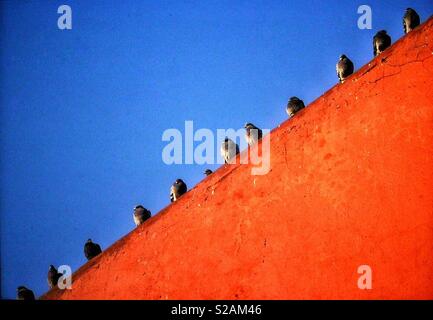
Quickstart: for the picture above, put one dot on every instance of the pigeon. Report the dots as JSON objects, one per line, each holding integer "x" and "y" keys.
{"x": 177, "y": 189}
{"x": 229, "y": 150}
{"x": 91, "y": 249}
{"x": 344, "y": 68}
{"x": 252, "y": 134}
{"x": 410, "y": 20}
{"x": 25, "y": 294}
{"x": 53, "y": 277}
{"x": 208, "y": 172}
{"x": 140, "y": 214}
{"x": 381, "y": 41}
{"x": 294, "y": 105}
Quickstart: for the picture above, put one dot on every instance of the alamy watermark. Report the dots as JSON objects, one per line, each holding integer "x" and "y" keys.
{"x": 65, "y": 281}
{"x": 365, "y": 281}
{"x": 64, "y": 22}
{"x": 365, "y": 21}
{"x": 201, "y": 147}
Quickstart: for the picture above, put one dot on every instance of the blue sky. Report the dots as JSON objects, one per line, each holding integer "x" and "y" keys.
{"x": 83, "y": 110}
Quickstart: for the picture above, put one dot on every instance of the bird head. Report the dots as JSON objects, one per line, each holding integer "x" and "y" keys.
{"x": 227, "y": 142}
{"x": 89, "y": 240}
{"x": 20, "y": 288}
{"x": 139, "y": 206}
{"x": 178, "y": 181}
{"x": 207, "y": 172}
{"x": 52, "y": 267}
{"x": 343, "y": 56}
{"x": 382, "y": 32}
{"x": 292, "y": 109}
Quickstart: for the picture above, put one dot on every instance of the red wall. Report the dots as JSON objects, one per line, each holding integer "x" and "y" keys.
{"x": 351, "y": 183}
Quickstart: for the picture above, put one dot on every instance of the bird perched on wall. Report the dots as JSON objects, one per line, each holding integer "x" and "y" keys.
{"x": 177, "y": 189}
{"x": 252, "y": 134}
{"x": 381, "y": 41}
{"x": 229, "y": 150}
{"x": 141, "y": 214}
{"x": 294, "y": 105}
{"x": 25, "y": 294}
{"x": 411, "y": 20}
{"x": 91, "y": 249}
{"x": 53, "y": 277}
{"x": 208, "y": 172}
{"x": 344, "y": 68}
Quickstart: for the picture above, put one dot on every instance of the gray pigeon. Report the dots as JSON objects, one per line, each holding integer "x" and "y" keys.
{"x": 229, "y": 150}
{"x": 140, "y": 214}
{"x": 208, "y": 172}
{"x": 25, "y": 294}
{"x": 177, "y": 189}
{"x": 411, "y": 20}
{"x": 91, "y": 249}
{"x": 381, "y": 41}
{"x": 53, "y": 277}
{"x": 252, "y": 134}
{"x": 344, "y": 68}
{"x": 294, "y": 105}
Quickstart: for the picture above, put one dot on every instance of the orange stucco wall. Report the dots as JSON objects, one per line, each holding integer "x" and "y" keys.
{"x": 351, "y": 183}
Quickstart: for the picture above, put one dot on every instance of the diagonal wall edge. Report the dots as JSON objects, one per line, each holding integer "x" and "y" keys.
{"x": 351, "y": 183}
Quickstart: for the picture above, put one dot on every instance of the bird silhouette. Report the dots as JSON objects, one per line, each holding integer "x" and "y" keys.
{"x": 91, "y": 249}
{"x": 177, "y": 189}
{"x": 344, "y": 68}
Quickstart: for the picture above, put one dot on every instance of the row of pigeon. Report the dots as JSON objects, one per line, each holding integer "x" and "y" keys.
{"x": 230, "y": 149}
